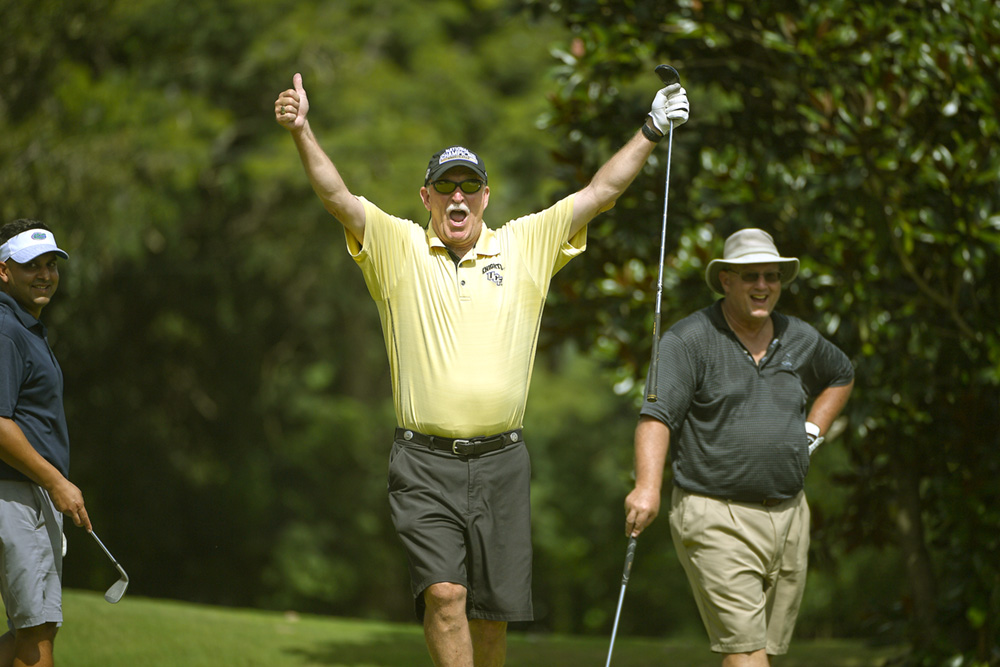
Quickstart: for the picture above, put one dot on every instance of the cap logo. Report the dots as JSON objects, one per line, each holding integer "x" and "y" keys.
{"x": 458, "y": 153}
{"x": 39, "y": 236}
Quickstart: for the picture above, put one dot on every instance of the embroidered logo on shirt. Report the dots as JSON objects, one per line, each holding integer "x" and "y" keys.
{"x": 493, "y": 273}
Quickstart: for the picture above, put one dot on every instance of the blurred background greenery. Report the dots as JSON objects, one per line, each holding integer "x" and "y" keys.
{"x": 227, "y": 389}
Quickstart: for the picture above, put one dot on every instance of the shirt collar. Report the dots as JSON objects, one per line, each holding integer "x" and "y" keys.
{"x": 486, "y": 246}
{"x": 27, "y": 319}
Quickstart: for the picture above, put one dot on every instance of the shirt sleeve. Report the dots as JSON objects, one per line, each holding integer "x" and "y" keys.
{"x": 829, "y": 367}
{"x": 11, "y": 365}
{"x": 385, "y": 250}
{"x": 676, "y": 382}
{"x": 543, "y": 239}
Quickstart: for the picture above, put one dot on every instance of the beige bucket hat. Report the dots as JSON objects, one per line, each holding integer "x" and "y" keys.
{"x": 750, "y": 246}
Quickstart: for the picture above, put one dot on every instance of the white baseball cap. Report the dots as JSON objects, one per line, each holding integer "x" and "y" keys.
{"x": 29, "y": 244}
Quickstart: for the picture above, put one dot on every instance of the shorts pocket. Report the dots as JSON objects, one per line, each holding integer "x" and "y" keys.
{"x": 397, "y": 468}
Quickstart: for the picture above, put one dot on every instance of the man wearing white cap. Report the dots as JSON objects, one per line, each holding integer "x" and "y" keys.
{"x": 34, "y": 448}
{"x": 460, "y": 305}
{"x": 745, "y": 394}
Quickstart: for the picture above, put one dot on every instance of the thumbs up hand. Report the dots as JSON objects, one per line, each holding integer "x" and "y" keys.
{"x": 292, "y": 105}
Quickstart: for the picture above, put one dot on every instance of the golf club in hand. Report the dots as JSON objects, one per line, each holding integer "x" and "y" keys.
{"x": 629, "y": 557}
{"x": 669, "y": 76}
{"x": 117, "y": 590}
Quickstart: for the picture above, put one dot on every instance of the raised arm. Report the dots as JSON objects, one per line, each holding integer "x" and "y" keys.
{"x": 290, "y": 110}
{"x": 669, "y": 106}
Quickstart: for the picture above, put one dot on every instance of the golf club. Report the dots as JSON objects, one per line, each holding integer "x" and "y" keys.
{"x": 669, "y": 76}
{"x": 117, "y": 590}
{"x": 629, "y": 557}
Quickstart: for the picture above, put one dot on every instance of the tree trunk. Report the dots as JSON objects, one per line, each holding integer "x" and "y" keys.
{"x": 920, "y": 574}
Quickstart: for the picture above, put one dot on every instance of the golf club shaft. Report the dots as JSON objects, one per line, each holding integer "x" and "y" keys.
{"x": 614, "y": 630}
{"x": 104, "y": 548}
{"x": 654, "y": 361}
{"x": 629, "y": 557}
{"x": 668, "y": 75}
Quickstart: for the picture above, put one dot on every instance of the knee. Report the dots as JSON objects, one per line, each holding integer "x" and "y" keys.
{"x": 445, "y": 595}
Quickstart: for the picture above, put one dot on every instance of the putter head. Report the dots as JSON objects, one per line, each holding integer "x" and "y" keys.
{"x": 117, "y": 590}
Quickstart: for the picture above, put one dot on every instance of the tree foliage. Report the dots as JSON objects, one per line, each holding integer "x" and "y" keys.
{"x": 864, "y": 137}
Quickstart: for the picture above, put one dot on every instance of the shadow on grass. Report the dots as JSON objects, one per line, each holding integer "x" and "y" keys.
{"x": 385, "y": 648}
{"x": 391, "y": 648}
{"x": 405, "y": 648}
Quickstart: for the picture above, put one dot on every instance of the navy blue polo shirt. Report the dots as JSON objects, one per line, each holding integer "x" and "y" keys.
{"x": 31, "y": 387}
{"x": 737, "y": 428}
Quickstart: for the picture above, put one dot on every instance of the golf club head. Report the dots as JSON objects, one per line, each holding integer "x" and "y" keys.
{"x": 668, "y": 75}
{"x": 117, "y": 590}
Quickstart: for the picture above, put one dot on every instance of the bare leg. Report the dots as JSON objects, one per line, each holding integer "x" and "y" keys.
{"x": 489, "y": 642}
{"x": 32, "y": 646}
{"x": 756, "y": 659}
{"x": 7, "y": 650}
{"x": 446, "y": 627}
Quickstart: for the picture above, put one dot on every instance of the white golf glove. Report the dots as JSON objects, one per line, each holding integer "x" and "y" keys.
{"x": 813, "y": 437}
{"x": 670, "y": 104}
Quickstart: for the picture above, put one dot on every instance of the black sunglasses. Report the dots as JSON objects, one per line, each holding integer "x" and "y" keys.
{"x": 753, "y": 276}
{"x": 469, "y": 186}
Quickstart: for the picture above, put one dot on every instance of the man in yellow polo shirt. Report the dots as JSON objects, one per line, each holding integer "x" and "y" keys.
{"x": 460, "y": 306}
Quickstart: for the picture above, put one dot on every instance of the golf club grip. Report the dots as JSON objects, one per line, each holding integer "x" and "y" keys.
{"x": 629, "y": 557}
{"x": 668, "y": 75}
{"x": 654, "y": 361}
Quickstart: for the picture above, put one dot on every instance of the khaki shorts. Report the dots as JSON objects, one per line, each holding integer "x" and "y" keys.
{"x": 746, "y": 564}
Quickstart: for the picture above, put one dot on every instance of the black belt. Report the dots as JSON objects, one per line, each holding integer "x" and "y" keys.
{"x": 766, "y": 502}
{"x": 461, "y": 446}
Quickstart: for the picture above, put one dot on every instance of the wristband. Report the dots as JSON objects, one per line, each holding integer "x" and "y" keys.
{"x": 651, "y": 133}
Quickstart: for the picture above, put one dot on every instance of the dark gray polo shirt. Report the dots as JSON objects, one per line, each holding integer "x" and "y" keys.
{"x": 31, "y": 387}
{"x": 737, "y": 428}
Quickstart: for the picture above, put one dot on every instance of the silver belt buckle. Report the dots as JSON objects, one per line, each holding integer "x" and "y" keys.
{"x": 456, "y": 442}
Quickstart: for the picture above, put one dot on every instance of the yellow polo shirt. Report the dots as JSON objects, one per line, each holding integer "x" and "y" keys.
{"x": 461, "y": 340}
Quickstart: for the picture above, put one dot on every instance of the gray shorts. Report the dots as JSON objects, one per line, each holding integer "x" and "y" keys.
{"x": 30, "y": 555}
{"x": 467, "y": 521}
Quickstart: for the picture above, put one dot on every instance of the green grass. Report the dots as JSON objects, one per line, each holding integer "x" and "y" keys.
{"x": 159, "y": 633}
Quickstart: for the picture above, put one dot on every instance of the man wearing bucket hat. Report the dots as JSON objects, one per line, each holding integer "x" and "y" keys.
{"x": 743, "y": 393}
{"x": 34, "y": 448}
{"x": 460, "y": 305}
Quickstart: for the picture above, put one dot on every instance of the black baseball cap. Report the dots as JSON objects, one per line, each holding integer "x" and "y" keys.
{"x": 454, "y": 156}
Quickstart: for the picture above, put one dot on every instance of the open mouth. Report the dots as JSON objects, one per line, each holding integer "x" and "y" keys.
{"x": 458, "y": 215}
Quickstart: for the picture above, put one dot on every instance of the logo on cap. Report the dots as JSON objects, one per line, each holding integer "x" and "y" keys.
{"x": 39, "y": 236}
{"x": 458, "y": 153}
